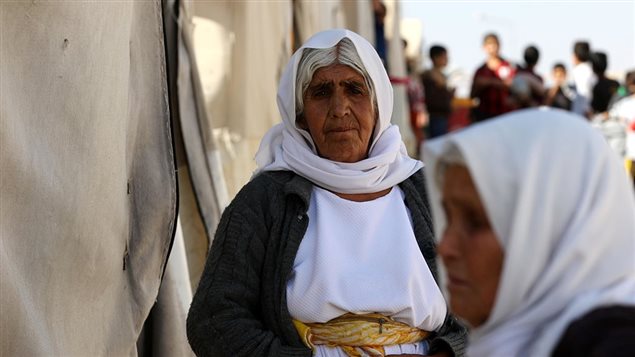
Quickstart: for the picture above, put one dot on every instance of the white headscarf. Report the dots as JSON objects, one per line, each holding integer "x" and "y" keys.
{"x": 564, "y": 213}
{"x": 285, "y": 147}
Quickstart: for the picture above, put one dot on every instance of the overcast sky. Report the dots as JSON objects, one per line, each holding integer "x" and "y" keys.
{"x": 552, "y": 26}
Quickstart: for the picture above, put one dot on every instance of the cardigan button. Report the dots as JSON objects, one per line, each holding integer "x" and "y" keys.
{"x": 300, "y": 217}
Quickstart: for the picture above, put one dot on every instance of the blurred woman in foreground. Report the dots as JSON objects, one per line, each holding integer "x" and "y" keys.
{"x": 536, "y": 224}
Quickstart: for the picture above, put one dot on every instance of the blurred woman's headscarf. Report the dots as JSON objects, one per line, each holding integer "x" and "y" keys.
{"x": 287, "y": 147}
{"x": 563, "y": 210}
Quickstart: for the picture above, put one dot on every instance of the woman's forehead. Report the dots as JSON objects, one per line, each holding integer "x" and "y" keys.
{"x": 339, "y": 72}
{"x": 458, "y": 183}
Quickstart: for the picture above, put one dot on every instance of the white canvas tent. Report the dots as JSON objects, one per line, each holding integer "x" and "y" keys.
{"x": 397, "y": 72}
{"x": 240, "y": 49}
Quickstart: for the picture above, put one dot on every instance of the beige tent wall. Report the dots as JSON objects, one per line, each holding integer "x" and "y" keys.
{"x": 88, "y": 188}
{"x": 397, "y": 70}
{"x": 313, "y": 16}
{"x": 201, "y": 182}
{"x": 241, "y": 49}
{"x": 359, "y": 17}
{"x": 412, "y": 30}
{"x": 164, "y": 331}
{"x": 195, "y": 237}
{"x": 213, "y": 70}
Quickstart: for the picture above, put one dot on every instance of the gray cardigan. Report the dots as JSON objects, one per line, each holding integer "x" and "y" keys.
{"x": 240, "y": 306}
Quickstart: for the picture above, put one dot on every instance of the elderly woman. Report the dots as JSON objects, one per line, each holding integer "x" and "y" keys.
{"x": 328, "y": 250}
{"x": 537, "y": 228}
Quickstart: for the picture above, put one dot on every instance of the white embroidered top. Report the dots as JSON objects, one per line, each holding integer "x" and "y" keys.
{"x": 362, "y": 257}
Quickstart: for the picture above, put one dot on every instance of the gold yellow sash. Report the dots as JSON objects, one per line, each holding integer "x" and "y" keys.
{"x": 359, "y": 334}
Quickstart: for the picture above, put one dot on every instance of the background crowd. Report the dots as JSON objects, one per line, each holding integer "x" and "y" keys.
{"x": 500, "y": 86}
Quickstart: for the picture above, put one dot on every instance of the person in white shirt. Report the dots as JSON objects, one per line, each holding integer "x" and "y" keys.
{"x": 624, "y": 111}
{"x": 583, "y": 78}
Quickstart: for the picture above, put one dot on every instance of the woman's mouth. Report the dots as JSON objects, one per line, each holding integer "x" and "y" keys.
{"x": 341, "y": 129}
{"x": 454, "y": 282}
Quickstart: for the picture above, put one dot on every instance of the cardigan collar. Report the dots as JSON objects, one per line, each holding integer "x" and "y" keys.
{"x": 301, "y": 187}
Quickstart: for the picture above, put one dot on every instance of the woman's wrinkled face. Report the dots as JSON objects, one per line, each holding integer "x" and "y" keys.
{"x": 470, "y": 251}
{"x": 339, "y": 113}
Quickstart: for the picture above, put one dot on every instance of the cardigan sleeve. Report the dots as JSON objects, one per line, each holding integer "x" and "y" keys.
{"x": 224, "y": 318}
{"x": 452, "y": 336}
{"x": 604, "y": 331}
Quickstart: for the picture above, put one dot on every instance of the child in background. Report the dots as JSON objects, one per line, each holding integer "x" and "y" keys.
{"x": 560, "y": 95}
{"x": 438, "y": 94}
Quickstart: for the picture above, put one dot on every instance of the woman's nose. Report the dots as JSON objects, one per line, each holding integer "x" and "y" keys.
{"x": 448, "y": 247}
{"x": 340, "y": 105}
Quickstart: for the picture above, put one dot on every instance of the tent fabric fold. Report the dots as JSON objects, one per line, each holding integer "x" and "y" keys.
{"x": 88, "y": 182}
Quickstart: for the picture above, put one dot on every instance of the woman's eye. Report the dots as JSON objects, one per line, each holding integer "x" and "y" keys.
{"x": 476, "y": 224}
{"x": 319, "y": 93}
{"x": 356, "y": 90}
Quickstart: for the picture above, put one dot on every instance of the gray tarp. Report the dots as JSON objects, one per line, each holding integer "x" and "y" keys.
{"x": 87, "y": 183}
